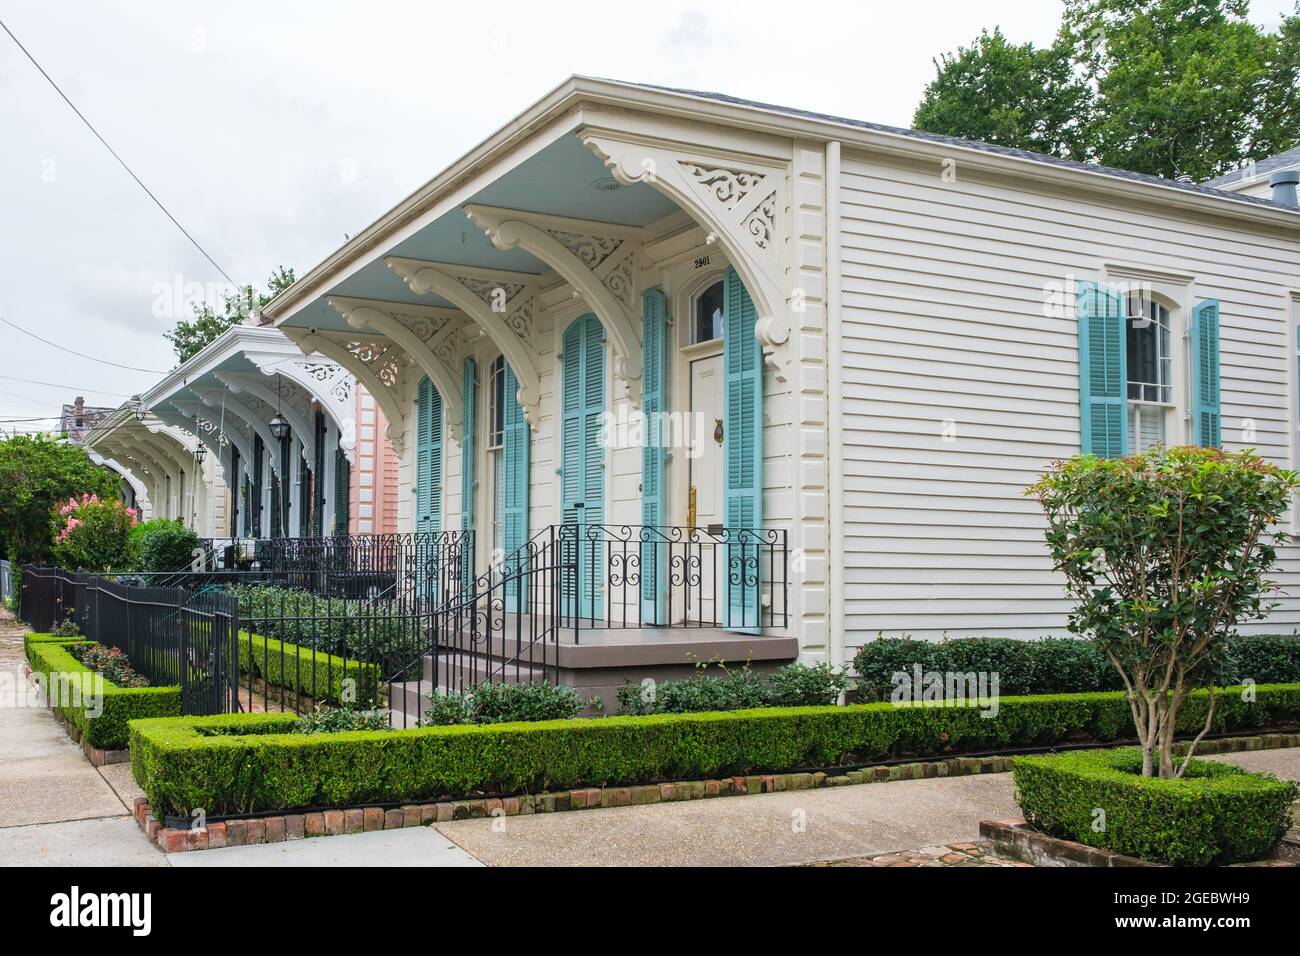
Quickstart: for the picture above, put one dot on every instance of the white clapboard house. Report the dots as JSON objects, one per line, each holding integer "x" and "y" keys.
{"x": 684, "y": 375}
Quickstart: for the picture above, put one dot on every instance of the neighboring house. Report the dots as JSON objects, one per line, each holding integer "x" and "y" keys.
{"x": 1257, "y": 178}
{"x": 161, "y": 473}
{"x": 79, "y": 418}
{"x": 869, "y": 341}
{"x": 293, "y": 447}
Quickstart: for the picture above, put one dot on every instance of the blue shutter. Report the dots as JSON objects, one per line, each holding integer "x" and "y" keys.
{"x": 582, "y": 473}
{"x": 469, "y": 387}
{"x": 423, "y": 456}
{"x": 742, "y": 455}
{"x": 428, "y": 479}
{"x": 1206, "y": 412}
{"x": 1103, "y": 372}
{"x": 515, "y": 491}
{"x": 654, "y": 337}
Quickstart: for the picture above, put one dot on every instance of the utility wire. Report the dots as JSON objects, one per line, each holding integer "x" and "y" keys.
{"x": 32, "y": 381}
{"x": 64, "y": 348}
{"x": 89, "y": 126}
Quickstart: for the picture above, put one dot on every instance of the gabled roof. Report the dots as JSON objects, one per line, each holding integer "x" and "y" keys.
{"x": 1263, "y": 167}
{"x": 1207, "y": 188}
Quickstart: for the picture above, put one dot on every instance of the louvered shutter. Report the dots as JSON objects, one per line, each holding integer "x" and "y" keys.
{"x": 742, "y": 455}
{"x": 515, "y": 442}
{"x": 654, "y": 337}
{"x": 1206, "y": 411}
{"x": 583, "y": 470}
{"x": 1103, "y": 376}
{"x": 469, "y": 388}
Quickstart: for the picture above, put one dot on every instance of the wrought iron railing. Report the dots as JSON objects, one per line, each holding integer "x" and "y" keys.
{"x": 172, "y": 636}
{"x": 634, "y": 576}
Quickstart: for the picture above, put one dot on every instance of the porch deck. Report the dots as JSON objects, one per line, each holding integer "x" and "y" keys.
{"x": 593, "y": 645}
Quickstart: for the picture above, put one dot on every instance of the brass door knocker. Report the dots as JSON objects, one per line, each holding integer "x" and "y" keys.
{"x": 717, "y": 430}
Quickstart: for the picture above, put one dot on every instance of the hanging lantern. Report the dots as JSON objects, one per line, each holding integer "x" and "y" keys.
{"x": 279, "y": 427}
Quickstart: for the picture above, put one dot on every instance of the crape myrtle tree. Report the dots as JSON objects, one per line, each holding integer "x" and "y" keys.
{"x": 1165, "y": 554}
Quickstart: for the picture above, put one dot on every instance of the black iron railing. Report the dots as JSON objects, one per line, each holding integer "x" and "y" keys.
{"x": 172, "y": 636}
{"x": 664, "y": 576}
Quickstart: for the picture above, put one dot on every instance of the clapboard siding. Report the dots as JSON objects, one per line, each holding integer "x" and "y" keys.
{"x": 945, "y": 295}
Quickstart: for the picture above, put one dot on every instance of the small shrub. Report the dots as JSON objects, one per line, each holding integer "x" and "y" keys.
{"x": 799, "y": 685}
{"x": 111, "y": 662}
{"x": 1215, "y": 814}
{"x": 1265, "y": 659}
{"x": 67, "y": 627}
{"x": 94, "y": 534}
{"x": 161, "y": 544}
{"x": 505, "y": 703}
{"x": 793, "y": 685}
{"x": 329, "y": 720}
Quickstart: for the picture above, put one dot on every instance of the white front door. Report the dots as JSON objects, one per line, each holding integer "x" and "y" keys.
{"x": 705, "y": 498}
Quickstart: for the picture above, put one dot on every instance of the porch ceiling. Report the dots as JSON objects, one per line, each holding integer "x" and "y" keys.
{"x": 564, "y": 178}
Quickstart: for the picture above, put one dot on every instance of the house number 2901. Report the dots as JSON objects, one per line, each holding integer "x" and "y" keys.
{"x": 701, "y": 262}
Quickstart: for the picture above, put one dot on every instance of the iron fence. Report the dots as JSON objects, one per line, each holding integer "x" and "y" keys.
{"x": 172, "y": 636}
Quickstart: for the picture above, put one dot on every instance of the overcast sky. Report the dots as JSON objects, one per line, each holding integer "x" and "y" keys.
{"x": 272, "y": 129}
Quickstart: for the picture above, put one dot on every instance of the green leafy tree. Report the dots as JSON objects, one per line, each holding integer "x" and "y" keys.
{"x": 188, "y": 337}
{"x": 1167, "y": 87}
{"x": 38, "y": 474}
{"x": 1165, "y": 554}
{"x": 1010, "y": 94}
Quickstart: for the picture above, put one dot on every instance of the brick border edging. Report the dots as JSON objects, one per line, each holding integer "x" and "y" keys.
{"x": 97, "y": 757}
{"x": 278, "y": 828}
{"x": 1018, "y": 840}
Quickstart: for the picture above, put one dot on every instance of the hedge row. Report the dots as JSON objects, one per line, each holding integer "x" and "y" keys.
{"x": 1215, "y": 815}
{"x": 250, "y": 763}
{"x": 1053, "y": 665}
{"x": 103, "y": 719}
{"x": 302, "y": 670}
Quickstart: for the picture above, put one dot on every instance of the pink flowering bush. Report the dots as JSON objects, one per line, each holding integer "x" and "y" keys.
{"x": 94, "y": 534}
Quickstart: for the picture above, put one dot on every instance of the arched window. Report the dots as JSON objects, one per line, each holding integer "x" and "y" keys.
{"x": 706, "y": 324}
{"x": 1150, "y": 372}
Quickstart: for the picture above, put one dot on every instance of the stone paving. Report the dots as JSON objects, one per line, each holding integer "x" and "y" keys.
{"x": 977, "y": 853}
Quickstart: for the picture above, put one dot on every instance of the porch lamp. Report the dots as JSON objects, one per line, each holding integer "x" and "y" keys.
{"x": 138, "y": 407}
{"x": 279, "y": 427}
{"x": 200, "y": 453}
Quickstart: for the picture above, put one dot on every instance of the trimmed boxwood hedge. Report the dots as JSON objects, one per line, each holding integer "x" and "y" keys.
{"x": 1053, "y": 665}
{"x": 302, "y": 670}
{"x": 58, "y": 669}
{"x": 1216, "y": 814}
{"x": 250, "y": 763}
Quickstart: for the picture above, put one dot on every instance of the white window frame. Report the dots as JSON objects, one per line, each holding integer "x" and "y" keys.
{"x": 1292, "y": 351}
{"x": 1176, "y": 292}
{"x": 1166, "y": 409}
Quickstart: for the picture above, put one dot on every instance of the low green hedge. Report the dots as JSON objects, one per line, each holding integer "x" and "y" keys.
{"x": 102, "y": 722}
{"x": 1216, "y": 814}
{"x": 302, "y": 670}
{"x": 250, "y": 763}
{"x": 1053, "y": 665}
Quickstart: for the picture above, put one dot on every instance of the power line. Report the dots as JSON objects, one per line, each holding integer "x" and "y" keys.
{"x": 32, "y": 381}
{"x": 64, "y": 348}
{"x": 139, "y": 182}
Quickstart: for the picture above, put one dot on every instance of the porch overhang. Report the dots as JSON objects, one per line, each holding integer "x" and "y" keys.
{"x": 231, "y": 390}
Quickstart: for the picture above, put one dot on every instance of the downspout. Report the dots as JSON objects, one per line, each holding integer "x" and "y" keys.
{"x": 835, "y": 405}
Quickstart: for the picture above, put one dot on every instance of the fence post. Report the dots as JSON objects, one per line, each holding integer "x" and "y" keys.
{"x": 183, "y": 654}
